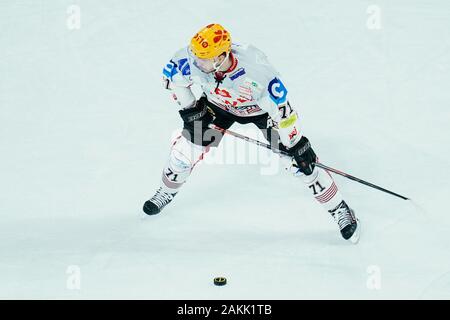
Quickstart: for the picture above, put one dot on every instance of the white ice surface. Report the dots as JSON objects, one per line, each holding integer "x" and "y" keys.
{"x": 85, "y": 128}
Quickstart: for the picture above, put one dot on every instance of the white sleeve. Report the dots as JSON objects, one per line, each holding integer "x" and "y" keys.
{"x": 182, "y": 96}
{"x": 176, "y": 79}
{"x": 275, "y": 101}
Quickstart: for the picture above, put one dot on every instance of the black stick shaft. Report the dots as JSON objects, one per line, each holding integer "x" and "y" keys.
{"x": 320, "y": 165}
{"x": 348, "y": 176}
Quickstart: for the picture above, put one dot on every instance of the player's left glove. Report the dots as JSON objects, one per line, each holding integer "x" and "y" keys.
{"x": 304, "y": 155}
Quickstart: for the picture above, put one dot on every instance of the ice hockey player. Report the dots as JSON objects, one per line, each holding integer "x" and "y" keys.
{"x": 239, "y": 85}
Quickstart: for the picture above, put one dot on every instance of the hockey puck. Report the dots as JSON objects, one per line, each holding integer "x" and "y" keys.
{"x": 220, "y": 281}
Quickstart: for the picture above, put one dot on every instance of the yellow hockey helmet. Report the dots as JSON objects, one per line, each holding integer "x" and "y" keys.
{"x": 211, "y": 41}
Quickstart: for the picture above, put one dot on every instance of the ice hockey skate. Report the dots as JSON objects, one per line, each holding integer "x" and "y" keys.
{"x": 158, "y": 202}
{"x": 348, "y": 224}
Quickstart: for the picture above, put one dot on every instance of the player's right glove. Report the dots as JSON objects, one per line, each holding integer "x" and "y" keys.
{"x": 196, "y": 120}
{"x": 304, "y": 155}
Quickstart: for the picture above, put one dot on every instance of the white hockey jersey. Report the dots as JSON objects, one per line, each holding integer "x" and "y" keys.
{"x": 251, "y": 87}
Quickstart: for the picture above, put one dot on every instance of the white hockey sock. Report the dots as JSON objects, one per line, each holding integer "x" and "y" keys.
{"x": 323, "y": 188}
{"x": 183, "y": 157}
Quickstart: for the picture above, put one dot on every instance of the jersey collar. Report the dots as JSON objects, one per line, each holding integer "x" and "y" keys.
{"x": 234, "y": 63}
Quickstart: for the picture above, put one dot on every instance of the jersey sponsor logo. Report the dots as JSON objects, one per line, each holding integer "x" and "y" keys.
{"x": 252, "y": 109}
{"x": 277, "y": 91}
{"x": 223, "y": 93}
{"x": 288, "y": 122}
{"x": 255, "y": 86}
{"x": 184, "y": 67}
{"x": 227, "y": 101}
{"x": 239, "y": 111}
{"x": 293, "y": 134}
{"x": 237, "y": 74}
{"x": 227, "y": 98}
{"x": 245, "y": 92}
{"x": 244, "y": 89}
{"x": 170, "y": 69}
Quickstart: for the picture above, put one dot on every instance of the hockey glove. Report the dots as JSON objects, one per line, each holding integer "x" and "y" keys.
{"x": 196, "y": 120}
{"x": 304, "y": 155}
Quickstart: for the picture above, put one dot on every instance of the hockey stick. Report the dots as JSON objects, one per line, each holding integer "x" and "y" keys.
{"x": 320, "y": 165}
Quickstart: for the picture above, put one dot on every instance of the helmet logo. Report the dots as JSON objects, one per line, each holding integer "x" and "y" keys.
{"x": 201, "y": 40}
{"x": 220, "y": 36}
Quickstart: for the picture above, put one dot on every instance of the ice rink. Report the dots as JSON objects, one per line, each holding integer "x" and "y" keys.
{"x": 86, "y": 127}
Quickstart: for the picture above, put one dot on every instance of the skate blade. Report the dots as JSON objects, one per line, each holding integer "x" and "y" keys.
{"x": 354, "y": 239}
